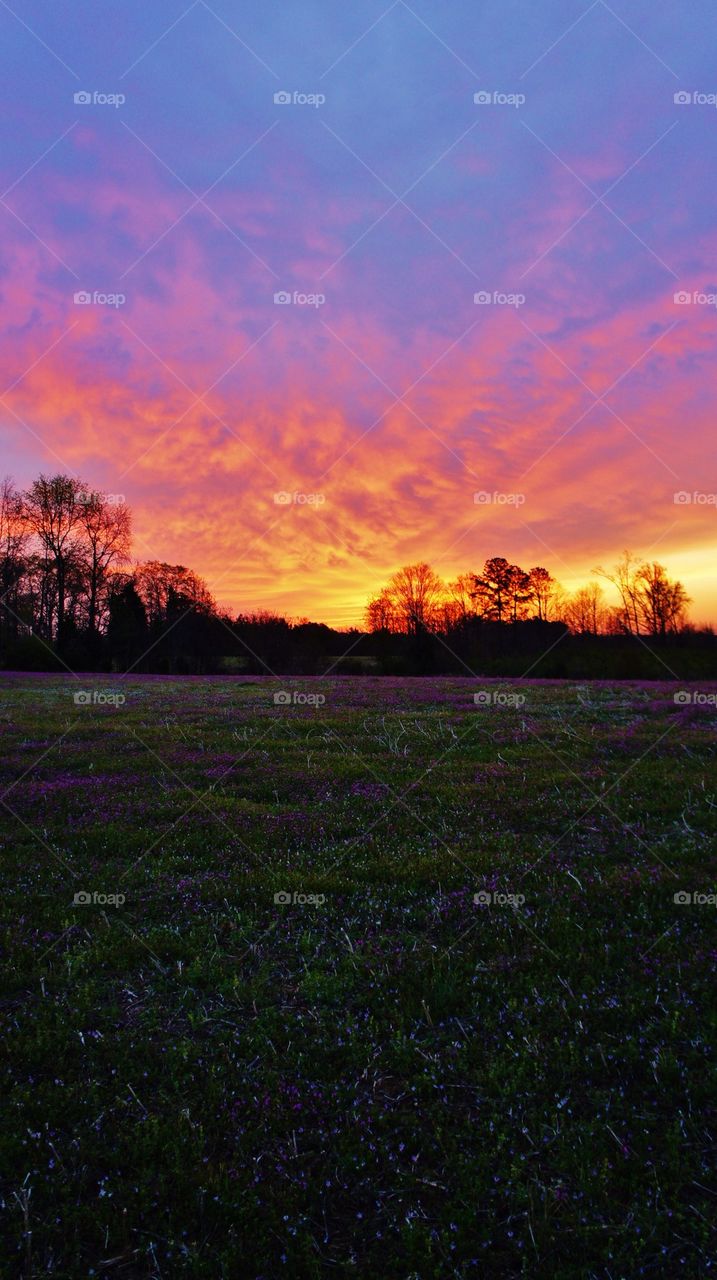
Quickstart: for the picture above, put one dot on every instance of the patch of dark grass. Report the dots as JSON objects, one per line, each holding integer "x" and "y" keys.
{"x": 380, "y": 1076}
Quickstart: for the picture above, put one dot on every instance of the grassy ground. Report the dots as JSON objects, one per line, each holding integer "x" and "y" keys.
{"x": 381, "y": 1077}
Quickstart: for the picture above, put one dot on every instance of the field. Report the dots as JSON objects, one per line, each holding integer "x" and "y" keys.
{"x": 381, "y": 1076}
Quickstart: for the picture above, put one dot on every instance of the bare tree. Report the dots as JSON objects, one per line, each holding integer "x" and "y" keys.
{"x": 649, "y": 600}
{"x": 544, "y": 589}
{"x": 14, "y": 537}
{"x": 624, "y": 577}
{"x": 663, "y": 603}
{"x": 380, "y": 613}
{"x": 167, "y": 590}
{"x": 411, "y": 600}
{"x": 106, "y": 528}
{"x": 585, "y": 611}
{"x": 53, "y": 505}
{"x": 458, "y": 606}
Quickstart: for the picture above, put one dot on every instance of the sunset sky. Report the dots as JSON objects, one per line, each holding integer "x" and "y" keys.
{"x": 391, "y": 399}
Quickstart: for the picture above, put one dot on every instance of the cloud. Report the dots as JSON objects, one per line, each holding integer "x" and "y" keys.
{"x": 397, "y": 397}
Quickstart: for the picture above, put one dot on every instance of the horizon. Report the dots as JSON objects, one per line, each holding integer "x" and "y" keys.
{"x": 485, "y": 297}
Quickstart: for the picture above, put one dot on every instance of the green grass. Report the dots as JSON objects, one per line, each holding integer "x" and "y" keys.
{"x": 389, "y": 1081}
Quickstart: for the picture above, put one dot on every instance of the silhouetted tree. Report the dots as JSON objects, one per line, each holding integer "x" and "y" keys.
{"x": 411, "y": 600}
{"x": 543, "y": 589}
{"x": 663, "y": 603}
{"x": 585, "y": 611}
{"x": 502, "y": 592}
{"x": 106, "y": 527}
{"x": 649, "y": 601}
{"x": 14, "y": 538}
{"x": 53, "y": 511}
{"x": 127, "y": 632}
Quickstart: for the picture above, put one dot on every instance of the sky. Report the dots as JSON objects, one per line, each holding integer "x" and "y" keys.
{"x": 325, "y": 289}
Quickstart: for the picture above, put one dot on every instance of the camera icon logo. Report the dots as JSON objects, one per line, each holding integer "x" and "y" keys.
{"x": 282, "y": 499}
{"x": 82, "y": 298}
{"x": 682, "y": 499}
{"x": 482, "y": 898}
{"x": 682, "y": 698}
{"x": 282, "y": 98}
{"x": 682, "y": 897}
{"x": 82, "y": 98}
{"x": 282, "y": 699}
{"x": 482, "y": 699}
{"x": 83, "y": 898}
{"x": 82, "y": 699}
{"x": 682, "y": 298}
{"x": 282, "y": 898}
{"x": 482, "y": 98}
{"x": 282, "y": 298}
{"x": 482, "y": 498}
{"x": 682, "y": 99}
{"x": 482, "y": 298}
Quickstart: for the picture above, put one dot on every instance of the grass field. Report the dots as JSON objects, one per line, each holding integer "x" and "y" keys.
{"x": 382, "y": 1076}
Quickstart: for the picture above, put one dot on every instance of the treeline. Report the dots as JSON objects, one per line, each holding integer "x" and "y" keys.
{"x": 507, "y": 620}
{"x": 71, "y": 597}
{"x": 415, "y": 599}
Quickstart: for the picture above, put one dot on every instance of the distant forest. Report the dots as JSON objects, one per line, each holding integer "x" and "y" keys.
{"x": 72, "y": 598}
